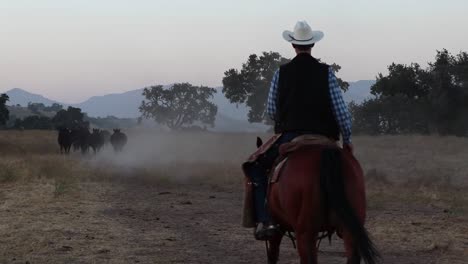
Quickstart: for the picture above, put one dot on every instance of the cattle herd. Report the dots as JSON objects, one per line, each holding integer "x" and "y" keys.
{"x": 83, "y": 140}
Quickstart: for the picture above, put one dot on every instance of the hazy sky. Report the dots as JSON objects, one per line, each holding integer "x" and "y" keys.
{"x": 70, "y": 50}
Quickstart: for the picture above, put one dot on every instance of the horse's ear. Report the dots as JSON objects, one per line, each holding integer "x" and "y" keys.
{"x": 259, "y": 142}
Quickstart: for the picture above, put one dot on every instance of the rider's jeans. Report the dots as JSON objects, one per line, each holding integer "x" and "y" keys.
{"x": 258, "y": 174}
{"x": 260, "y": 187}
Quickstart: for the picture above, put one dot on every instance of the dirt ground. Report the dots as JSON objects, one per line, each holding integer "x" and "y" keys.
{"x": 131, "y": 217}
{"x": 191, "y": 223}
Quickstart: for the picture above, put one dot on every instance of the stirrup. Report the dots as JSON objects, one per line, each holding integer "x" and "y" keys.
{"x": 266, "y": 231}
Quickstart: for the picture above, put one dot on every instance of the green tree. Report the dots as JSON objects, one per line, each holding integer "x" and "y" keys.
{"x": 400, "y": 103}
{"x": 37, "y": 108}
{"x": 180, "y": 105}
{"x": 449, "y": 92}
{"x": 401, "y": 79}
{"x": 344, "y": 85}
{"x": 414, "y": 100}
{"x": 34, "y": 122}
{"x": 71, "y": 118}
{"x": 366, "y": 117}
{"x": 4, "y": 113}
{"x": 54, "y": 107}
{"x": 402, "y": 98}
{"x": 250, "y": 84}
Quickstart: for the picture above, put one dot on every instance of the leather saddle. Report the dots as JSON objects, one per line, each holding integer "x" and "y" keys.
{"x": 298, "y": 143}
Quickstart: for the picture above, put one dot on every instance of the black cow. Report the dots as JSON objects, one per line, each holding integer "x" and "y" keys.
{"x": 118, "y": 140}
{"x": 65, "y": 140}
{"x": 75, "y": 134}
{"x": 106, "y": 135}
{"x": 96, "y": 140}
{"x": 82, "y": 139}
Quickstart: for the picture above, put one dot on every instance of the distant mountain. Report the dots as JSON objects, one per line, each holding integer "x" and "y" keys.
{"x": 122, "y": 105}
{"x": 126, "y": 105}
{"x": 358, "y": 91}
{"x": 231, "y": 117}
{"x": 22, "y": 97}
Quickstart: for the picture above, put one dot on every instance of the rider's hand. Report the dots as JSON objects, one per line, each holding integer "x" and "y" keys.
{"x": 349, "y": 147}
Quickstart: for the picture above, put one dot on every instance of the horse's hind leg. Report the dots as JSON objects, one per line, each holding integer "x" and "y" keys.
{"x": 274, "y": 248}
{"x": 352, "y": 254}
{"x": 306, "y": 246}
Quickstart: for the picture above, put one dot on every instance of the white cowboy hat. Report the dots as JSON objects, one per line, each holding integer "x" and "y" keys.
{"x": 302, "y": 34}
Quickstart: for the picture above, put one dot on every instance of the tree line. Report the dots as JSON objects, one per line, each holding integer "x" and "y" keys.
{"x": 55, "y": 117}
{"x": 409, "y": 99}
{"x": 412, "y": 99}
{"x": 71, "y": 118}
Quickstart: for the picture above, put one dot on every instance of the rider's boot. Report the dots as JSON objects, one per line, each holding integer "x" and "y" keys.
{"x": 265, "y": 227}
{"x": 265, "y": 230}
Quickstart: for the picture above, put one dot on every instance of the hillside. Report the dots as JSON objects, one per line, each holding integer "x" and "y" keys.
{"x": 22, "y": 97}
{"x": 358, "y": 91}
{"x": 123, "y": 105}
{"x": 231, "y": 117}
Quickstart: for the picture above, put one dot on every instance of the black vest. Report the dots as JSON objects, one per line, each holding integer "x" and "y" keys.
{"x": 303, "y": 102}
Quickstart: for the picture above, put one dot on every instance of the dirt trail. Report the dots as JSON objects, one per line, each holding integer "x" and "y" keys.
{"x": 182, "y": 223}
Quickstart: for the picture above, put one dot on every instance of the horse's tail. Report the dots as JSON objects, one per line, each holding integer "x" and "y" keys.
{"x": 333, "y": 190}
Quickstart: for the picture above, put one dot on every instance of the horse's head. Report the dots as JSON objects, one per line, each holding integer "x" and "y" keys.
{"x": 259, "y": 142}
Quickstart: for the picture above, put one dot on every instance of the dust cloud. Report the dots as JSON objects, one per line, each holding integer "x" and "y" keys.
{"x": 178, "y": 154}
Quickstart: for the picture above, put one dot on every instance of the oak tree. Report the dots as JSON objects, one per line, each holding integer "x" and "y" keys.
{"x": 179, "y": 105}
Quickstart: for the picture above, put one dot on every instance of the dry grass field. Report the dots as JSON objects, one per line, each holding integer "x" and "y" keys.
{"x": 176, "y": 198}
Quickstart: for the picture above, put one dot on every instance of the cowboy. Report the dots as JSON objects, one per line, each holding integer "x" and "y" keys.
{"x": 304, "y": 98}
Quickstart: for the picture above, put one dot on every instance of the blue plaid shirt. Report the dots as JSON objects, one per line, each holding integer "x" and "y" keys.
{"x": 340, "y": 110}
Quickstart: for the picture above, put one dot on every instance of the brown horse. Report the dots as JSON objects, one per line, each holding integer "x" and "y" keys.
{"x": 321, "y": 189}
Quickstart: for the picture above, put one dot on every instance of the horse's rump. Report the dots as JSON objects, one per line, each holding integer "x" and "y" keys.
{"x": 296, "y": 186}
{"x": 300, "y": 175}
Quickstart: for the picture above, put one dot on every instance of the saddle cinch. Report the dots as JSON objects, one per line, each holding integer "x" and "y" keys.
{"x": 248, "y": 219}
